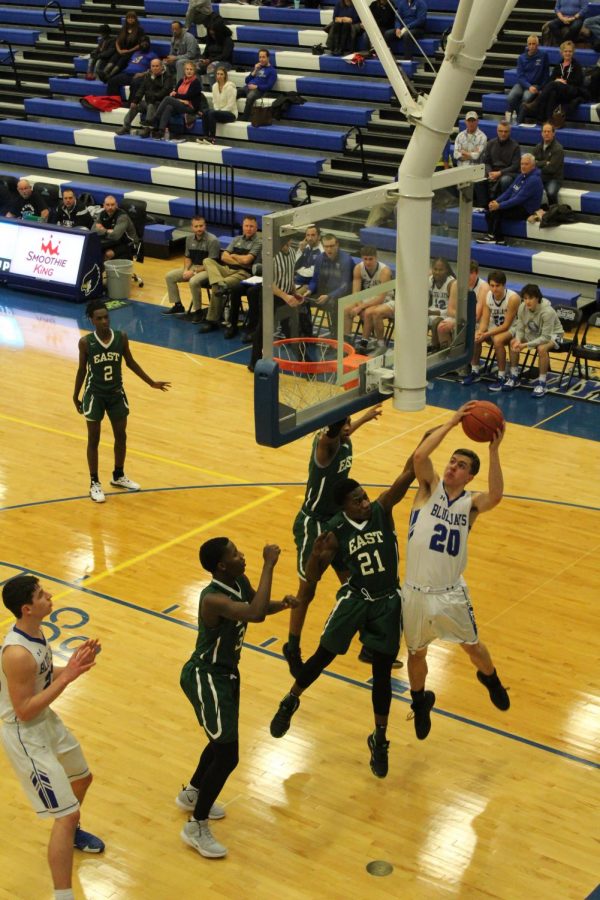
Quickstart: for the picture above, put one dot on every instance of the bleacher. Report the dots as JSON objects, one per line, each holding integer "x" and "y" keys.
{"x": 52, "y": 138}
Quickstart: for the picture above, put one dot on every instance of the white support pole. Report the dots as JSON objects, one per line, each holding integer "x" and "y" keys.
{"x": 464, "y": 56}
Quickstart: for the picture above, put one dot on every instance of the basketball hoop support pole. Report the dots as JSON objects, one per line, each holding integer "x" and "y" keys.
{"x": 471, "y": 36}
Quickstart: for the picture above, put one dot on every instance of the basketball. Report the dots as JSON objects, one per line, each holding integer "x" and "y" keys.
{"x": 482, "y": 421}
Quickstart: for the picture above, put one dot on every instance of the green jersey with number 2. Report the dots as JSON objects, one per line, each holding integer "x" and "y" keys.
{"x": 220, "y": 647}
{"x": 104, "y": 364}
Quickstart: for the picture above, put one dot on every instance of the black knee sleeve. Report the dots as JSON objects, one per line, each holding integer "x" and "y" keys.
{"x": 381, "y": 693}
{"x": 313, "y": 667}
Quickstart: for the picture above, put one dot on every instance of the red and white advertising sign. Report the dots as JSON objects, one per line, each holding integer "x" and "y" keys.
{"x": 46, "y": 254}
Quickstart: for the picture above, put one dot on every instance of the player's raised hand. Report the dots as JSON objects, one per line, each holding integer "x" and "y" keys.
{"x": 161, "y": 385}
{"x": 82, "y": 660}
{"x": 462, "y": 411}
{"x": 498, "y": 437}
{"x": 271, "y": 554}
{"x": 373, "y": 413}
{"x": 320, "y": 543}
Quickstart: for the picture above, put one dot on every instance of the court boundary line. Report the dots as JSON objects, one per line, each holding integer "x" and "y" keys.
{"x": 257, "y": 648}
{"x": 267, "y": 485}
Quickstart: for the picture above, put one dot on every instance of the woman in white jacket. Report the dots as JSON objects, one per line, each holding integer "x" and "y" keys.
{"x": 224, "y": 108}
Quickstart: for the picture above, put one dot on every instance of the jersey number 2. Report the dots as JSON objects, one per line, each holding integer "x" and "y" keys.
{"x": 108, "y": 373}
{"x": 366, "y": 563}
{"x": 445, "y": 540}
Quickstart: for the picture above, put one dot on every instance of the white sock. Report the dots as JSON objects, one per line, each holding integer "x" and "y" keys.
{"x": 501, "y": 373}
{"x": 65, "y": 894}
{"x": 514, "y": 371}
{"x": 475, "y": 370}
{"x": 380, "y": 343}
{"x": 542, "y": 379}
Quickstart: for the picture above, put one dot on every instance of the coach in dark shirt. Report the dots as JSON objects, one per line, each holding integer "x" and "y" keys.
{"x": 332, "y": 278}
{"x": 28, "y": 204}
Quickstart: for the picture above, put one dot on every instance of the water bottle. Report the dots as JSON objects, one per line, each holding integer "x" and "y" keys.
{"x": 167, "y": 135}
{"x": 513, "y": 118}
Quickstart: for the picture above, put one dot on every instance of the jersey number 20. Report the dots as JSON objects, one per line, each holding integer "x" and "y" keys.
{"x": 445, "y": 540}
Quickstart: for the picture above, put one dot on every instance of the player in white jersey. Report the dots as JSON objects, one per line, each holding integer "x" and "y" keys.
{"x": 441, "y": 282}
{"x": 497, "y": 319}
{"x": 46, "y": 757}
{"x": 368, "y": 273}
{"x": 436, "y": 601}
{"x": 479, "y": 287}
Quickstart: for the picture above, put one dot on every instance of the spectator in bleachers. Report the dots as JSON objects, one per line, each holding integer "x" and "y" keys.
{"x": 118, "y": 237}
{"x": 568, "y": 21}
{"x": 368, "y": 273}
{"x": 136, "y": 68}
{"x": 499, "y": 312}
{"x": 591, "y": 31}
{"x": 470, "y": 143}
{"x": 413, "y": 21}
{"x": 518, "y": 202}
{"x": 186, "y": 100}
{"x": 102, "y": 53}
{"x": 146, "y": 95}
{"x": 550, "y": 159}
{"x": 537, "y": 327}
{"x": 198, "y": 13}
{"x": 224, "y": 108}
{"x": 564, "y": 88}
{"x": 441, "y": 281}
{"x": 383, "y": 14}
{"x": 28, "y": 203}
{"x": 235, "y": 266}
{"x": 70, "y": 213}
{"x": 184, "y": 48}
{"x": 345, "y": 29}
{"x": 502, "y": 160}
{"x": 199, "y": 246}
{"x": 332, "y": 277}
{"x": 533, "y": 71}
{"x": 259, "y": 82}
{"x": 127, "y": 42}
{"x": 218, "y": 50}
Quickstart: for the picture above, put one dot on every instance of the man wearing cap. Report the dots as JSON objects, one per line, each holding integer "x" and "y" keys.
{"x": 470, "y": 143}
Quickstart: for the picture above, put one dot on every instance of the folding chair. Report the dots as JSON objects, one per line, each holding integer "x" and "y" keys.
{"x": 582, "y": 350}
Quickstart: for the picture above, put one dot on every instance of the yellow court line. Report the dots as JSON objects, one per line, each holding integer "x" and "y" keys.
{"x": 130, "y": 451}
{"x": 273, "y": 492}
{"x": 553, "y": 416}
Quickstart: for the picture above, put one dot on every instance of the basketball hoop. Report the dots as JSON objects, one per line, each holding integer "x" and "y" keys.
{"x": 311, "y": 366}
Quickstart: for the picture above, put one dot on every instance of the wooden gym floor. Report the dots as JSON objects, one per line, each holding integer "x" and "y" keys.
{"x": 491, "y": 805}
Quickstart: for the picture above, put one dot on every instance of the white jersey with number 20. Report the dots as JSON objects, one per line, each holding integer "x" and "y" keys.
{"x": 437, "y": 540}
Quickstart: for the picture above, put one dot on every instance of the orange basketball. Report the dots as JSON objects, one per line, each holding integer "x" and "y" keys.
{"x": 482, "y": 421}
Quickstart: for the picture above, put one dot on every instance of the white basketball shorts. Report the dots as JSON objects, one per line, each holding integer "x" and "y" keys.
{"x": 443, "y": 615}
{"x": 46, "y": 758}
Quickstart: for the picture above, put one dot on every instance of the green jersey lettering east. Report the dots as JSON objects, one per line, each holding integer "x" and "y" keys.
{"x": 368, "y": 550}
{"x": 318, "y": 501}
{"x": 104, "y": 364}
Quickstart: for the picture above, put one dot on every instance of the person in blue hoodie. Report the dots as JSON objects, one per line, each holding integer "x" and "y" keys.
{"x": 258, "y": 83}
{"x": 518, "y": 202}
{"x": 413, "y": 21}
{"x": 533, "y": 71}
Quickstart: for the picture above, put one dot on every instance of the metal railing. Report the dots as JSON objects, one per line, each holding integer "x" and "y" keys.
{"x": 56, "y": 18}
{"x": 11, "y": 61}
{"x": 356, "y": 134}
{"x": 214, "y": 193}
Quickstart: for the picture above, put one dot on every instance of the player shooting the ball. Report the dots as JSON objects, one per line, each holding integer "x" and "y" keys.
{"x": 436, "y": 602}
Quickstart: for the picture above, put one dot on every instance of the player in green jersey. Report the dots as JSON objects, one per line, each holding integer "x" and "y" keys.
{"x": 330, "y": 463}
{"x": 211, "y": 681}
{"x": 363, "y": 540}
{"x": 101, "y": 354}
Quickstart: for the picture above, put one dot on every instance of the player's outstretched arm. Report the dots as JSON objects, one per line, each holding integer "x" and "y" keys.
{"x": 288, "y": 602}
{"x": 373, "y": 413}
{"x": 215, "y": 605}
{"x": 489, "y": 499}
{"x": 137, "y": 369}
{"x": 421, "y": 457}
